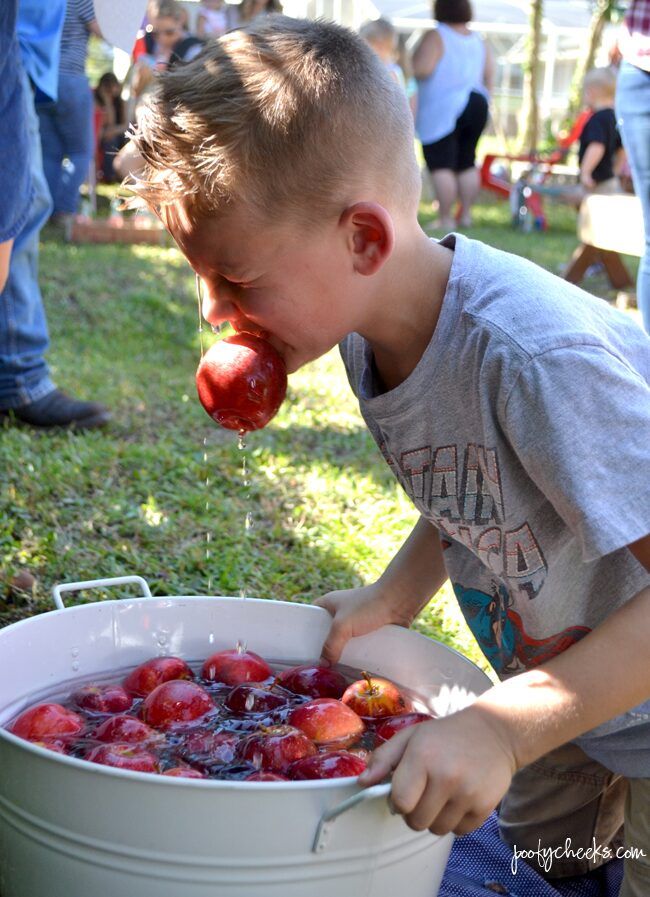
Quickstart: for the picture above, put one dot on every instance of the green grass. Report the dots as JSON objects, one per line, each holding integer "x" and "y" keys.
{"x": 133, "y": 499}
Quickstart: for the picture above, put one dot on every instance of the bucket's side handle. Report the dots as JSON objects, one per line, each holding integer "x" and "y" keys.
{"x": 98, "y": 584}
{"x": 326, "y": 822}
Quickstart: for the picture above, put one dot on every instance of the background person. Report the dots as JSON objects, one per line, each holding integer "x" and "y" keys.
{"x": 27, "y": 392}
{"x": 250, "y": 9}
{"x": 633, "y": 112}
{"x": 111, "y": 138}
{"x": 381, "y": 35}
{"x": 66, "y": 124}
{"x": 454, "y": 70}
{"x": 215, "y": 17}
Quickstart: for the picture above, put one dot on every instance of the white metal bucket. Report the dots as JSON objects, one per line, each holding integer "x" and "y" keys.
{"x": 73, "y": 829}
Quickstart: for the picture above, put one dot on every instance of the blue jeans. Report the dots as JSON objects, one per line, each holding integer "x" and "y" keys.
{"x": 633, "y": 113}
{"x": 67, "y": 134}
{"x": 24, "y": 375}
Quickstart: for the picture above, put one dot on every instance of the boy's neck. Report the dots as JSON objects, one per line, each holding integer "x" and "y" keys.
{"x": 407, "y": 310}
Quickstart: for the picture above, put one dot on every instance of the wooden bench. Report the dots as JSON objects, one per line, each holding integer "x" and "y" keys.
{"x": 608, "y": 225}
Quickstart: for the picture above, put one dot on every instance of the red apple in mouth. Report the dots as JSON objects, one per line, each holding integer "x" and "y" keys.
{"x": 275, "y": 748}
{"x": 236, "y": 667}
{"x": 154, "y": 672}
{"x": 327, "y": 721}
{"x": 126, "y": 730}
{"x": 176, "y": 703}
{"x": 123, "y": 756}
{"x": 102, "y": 699}
{"x": 334, "y": 765}
{"x": 242, "y": 381}
{"x": 315, "y": 682}
{"x": 393, "y": 724}
{"x": 375, "y": 698}
{"x": 47, "y": 722}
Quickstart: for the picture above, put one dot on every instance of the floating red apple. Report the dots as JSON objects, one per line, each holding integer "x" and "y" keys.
{"x": 393, "y": 724}
{"x": 315, "y": 682}
{"x": 242, "y": 381}
{"x": 102, "y": 698}
{"x": 375, "y": 698}
{"x": 334, "y": 765}
{"x": 275, "y": 748}
{"x": 327, "y": 721}
{"x": 251, "y": 699}
{"x": 207, "y": 747}
{"x": 127, "y": 730}
{"x": 183, "y": 772}
{"x": 45, "y": 722}
{"x": 154, "y": 672}
{"x": 124, "y": 756}
{"x": 176, "y": 702}
{"x": 236, "y": 667}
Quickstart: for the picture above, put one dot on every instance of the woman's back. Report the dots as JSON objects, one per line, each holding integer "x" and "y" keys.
{"x": 444, "y": 94}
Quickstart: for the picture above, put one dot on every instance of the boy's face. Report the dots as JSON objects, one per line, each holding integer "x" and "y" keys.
{"x": 295, "y": 288}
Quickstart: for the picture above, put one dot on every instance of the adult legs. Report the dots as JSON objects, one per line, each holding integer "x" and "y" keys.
{"x": 445, "y": 186}
{"x": 24, "y": 375}
{"x": 636, "y": 882}
{"x": 469, "y": 128}
{"x": 26, "y": 391}
{"x": 68, "y": 135}
{"x": 633, "y": 112}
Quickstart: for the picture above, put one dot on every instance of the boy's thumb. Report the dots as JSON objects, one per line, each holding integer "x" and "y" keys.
{"x": 332, "y": 647}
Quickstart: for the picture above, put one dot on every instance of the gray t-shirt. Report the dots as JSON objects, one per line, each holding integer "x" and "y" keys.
{"x": 523, "y": 435}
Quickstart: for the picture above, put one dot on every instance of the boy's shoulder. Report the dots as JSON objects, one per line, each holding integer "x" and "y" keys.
{"x": 501, "y": 300}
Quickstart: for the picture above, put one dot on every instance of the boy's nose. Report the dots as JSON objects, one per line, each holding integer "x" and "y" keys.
{"x": 216, "y": 307}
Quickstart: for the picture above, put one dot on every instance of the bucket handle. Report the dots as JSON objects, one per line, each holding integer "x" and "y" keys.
{"x": 98, "y": 584}
{"x": 326, "y": 822}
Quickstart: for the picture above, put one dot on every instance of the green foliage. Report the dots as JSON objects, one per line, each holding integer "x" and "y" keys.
{"x": 160, "y": 492}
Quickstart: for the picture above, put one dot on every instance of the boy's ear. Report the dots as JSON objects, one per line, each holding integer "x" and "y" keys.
{"x": 370, "y": 234}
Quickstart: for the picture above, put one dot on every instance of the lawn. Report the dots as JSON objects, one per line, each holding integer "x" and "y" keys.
{"x": 161, "y": 492}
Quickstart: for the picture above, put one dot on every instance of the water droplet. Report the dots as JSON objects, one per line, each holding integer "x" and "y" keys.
{"x": 76, "y": 665}
{"x": 249, "y": 523}
{"x": 241, "y": 440}
{"x": 211, "y": 636}
{"x": 240, "y": 647}
{"x": 249, "y": 702}
{"x": 208, "y": 537}
{"x": 75, "y": 652}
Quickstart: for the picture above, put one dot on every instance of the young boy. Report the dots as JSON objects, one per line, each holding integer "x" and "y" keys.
{"x": 600, "y": 142}
{"x": 513, "y": 408}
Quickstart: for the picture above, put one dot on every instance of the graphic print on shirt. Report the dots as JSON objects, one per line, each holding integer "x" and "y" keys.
{"x": 460, "y": 492}
{"x": 500, "y": 632}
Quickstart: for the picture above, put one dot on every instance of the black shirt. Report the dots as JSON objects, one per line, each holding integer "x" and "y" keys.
{"x": 601, "y": 128}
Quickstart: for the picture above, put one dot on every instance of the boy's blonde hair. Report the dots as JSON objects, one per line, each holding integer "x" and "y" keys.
{"x": 602, "y": 80}
{"x": 283, "y": 116}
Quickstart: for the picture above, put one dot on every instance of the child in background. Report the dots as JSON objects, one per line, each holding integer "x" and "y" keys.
{"x": 601, "y": 151}
{"x": 381, "y": 35}
{"x": 513, "y": 408}
{"x": 215, "y": 18}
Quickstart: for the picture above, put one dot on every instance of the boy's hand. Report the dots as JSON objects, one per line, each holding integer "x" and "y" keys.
{"x": 357, "y": 612}
{"x": 449, "y": 774}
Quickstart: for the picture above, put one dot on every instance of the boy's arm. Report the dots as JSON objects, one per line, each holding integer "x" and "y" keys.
{"x": 593, "y": 155}
{"x": 451, "y": 773}
{"x": 413, "y": 576}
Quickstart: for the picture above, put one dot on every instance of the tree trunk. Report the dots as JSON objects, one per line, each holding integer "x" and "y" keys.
{"x": 529, "y": 120}
{"x": 602, "y": 13}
